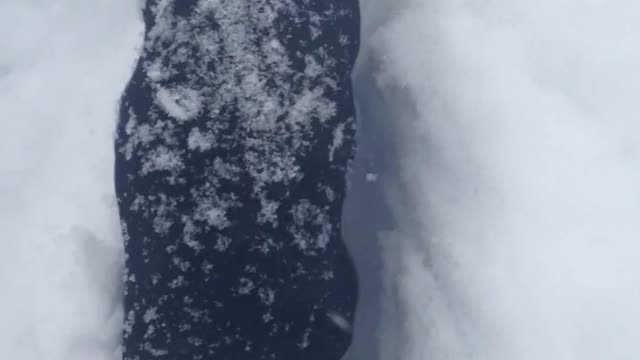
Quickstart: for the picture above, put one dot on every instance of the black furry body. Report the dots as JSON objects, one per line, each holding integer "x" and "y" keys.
{"x": 235, "y": 134}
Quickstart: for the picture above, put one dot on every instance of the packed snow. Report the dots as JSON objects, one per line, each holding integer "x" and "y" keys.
{"x": 518, "y": 197}
{"x": 63, "y": 66}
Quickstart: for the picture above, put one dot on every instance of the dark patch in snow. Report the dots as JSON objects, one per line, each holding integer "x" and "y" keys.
{"x": 235, "y": 135}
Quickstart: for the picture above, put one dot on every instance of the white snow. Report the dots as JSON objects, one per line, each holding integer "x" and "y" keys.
{"x": 63, "y": 65}
{"x": 181, "y": 103}
{"x": 519, "y": 193}
{"x": 200, "y": 141}
{"x": 339, "y": 320}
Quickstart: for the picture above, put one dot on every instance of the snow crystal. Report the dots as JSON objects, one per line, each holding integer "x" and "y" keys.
{"x": 268, "y": 211}
{"x": 199, "y": 141}
{"x": 338, "y": 139}
{"x": 246, "y": 286}
{"x": 267, "y": 296}
{"x": 150, "y": 314}
{"x": 181, "y": 103}
{"x": 161, "y": 159}
{"x": 339, "y": 320}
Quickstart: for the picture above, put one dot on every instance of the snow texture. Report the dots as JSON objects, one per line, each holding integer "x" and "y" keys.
{"x": 63, "y": 66}
{"x": 518, "y": 191}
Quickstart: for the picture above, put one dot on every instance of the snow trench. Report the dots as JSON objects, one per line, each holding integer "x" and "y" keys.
{"x": 502, "y": 136}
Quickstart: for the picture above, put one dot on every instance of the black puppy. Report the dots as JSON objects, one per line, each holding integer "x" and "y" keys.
{"x": 235, "y": 134}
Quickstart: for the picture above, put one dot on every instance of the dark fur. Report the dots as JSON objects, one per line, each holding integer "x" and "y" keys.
{"x": 190, "y": 293}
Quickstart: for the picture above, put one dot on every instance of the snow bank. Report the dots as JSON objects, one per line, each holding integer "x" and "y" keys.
{"x": 63, "y": 65}
{"x": 519, "y": 192}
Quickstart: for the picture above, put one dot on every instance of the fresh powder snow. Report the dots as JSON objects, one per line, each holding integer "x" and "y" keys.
{"x": 517, "y": 198}
{"x": 63, "y": 66}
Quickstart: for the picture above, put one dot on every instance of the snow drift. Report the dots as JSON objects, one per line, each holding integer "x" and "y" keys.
{"x": 518, "y": 192}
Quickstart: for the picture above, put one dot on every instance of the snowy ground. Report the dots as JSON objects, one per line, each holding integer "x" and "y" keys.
{"x": 516, "y": 198}
{"x": 63, "y": 65}
{"x": 519, "y": 191}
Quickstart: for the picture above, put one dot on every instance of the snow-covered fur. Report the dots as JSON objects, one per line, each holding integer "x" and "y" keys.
{"x": 235, "y": 135}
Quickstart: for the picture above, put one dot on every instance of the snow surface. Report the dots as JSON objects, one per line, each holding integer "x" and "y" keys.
{"x": 519, "y": 192}
{"x": 517, "y": 198}
{"x": 63, "y": 66}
